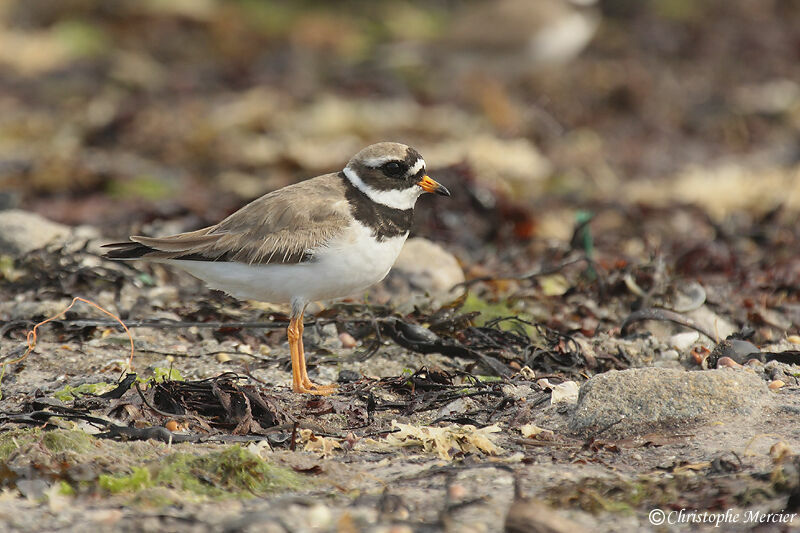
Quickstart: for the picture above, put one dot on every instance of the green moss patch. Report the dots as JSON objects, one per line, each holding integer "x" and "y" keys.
{"x": 139, "y": 479}
{"x": 60, "y": 441}
{"x": 141, "y": 472}
{"x": 493, "y": 310}
{"x": 56, "y": 442}
{"x": 161, "y": 373}
{"x": 234, "y": 472}
{"x": 16, "y": 438}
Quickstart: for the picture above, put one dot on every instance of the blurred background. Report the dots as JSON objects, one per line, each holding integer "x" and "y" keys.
{"x": 120, "y": 113}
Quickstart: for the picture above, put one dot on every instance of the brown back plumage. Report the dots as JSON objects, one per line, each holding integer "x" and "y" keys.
{"x": 279, "y": 227}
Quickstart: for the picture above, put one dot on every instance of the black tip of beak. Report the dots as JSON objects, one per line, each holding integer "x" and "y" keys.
{"x": 441, "y": 189}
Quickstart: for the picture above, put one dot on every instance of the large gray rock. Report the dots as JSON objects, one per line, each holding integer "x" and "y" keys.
{"x": 643, "y": 400}
{"x": 428, "y": 266}
{"x": 22, "y": 232}
{"x": 422, "y": 270}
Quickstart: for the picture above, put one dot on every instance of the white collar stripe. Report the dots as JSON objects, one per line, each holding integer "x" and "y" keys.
{"x": 396, "y": 198}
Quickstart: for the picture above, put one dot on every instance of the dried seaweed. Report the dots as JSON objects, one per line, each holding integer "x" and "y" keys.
{"x": 222, "y": 401}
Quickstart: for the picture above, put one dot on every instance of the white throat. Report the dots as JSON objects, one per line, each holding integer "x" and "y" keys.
{"x": 395, "y": 198}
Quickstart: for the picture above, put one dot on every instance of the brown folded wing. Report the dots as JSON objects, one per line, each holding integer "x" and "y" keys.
{"x": 280, "y": 227}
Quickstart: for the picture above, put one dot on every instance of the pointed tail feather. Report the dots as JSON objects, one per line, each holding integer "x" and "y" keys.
{"x": 126, "y": 250}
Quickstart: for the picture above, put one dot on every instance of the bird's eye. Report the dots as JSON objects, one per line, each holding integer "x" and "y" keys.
{"x": 393, "y": 169}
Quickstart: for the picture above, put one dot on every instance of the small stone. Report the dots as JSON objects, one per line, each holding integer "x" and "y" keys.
{"x": 727, "y": 362}
{"x": 457, "y": 491}
{"x": 458, "y": 406}
{"x": 684, "y": 341}
{"x": 348, "y": 376}
{"x": 245, "y": 348}
{"x": 264, "y": 349}
{"x": 33, "y": 489}
{"x": 517, "y": 392}
{"x": 794, "y": 339}
{"x": 319, "y": 516}
{"x": 777, "y": 384}
{"x": 223, "y": 357}
{"x": 347, "y": 340}
{"x": 670, "y": 355}
{"x": 329, "y": 330}
{"x": 708, "y": 319}
{"x": 22, "y": 232}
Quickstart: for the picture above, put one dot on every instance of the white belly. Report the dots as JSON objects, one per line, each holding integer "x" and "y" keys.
{"x": 345, "y": 266}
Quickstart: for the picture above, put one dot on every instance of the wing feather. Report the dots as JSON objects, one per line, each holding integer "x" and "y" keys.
{"x": 279, "y": 227}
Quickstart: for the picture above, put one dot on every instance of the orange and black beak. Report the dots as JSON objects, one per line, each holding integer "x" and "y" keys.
{"x": 431, "y": 185}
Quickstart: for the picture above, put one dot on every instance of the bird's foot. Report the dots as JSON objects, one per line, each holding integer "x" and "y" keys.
{"x": 307, "y": 387}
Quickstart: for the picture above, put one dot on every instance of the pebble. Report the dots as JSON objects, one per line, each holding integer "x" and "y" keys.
{"x": 348, "y": 376}
{"x": 777, "y": 384}
{"x": 711, "y": 321}
{"x": 22, "y": 232}
{"x": 457, "y": 406}
{"x": 456, "y": 491}
{"x": 684, "y": 341}
{"x": 727, "y": 362}
{"x": 319, "y": 516}
{"x": 670, "y": 355}
{"x": 517, "y": 391}
{"x": 347, "y": 340}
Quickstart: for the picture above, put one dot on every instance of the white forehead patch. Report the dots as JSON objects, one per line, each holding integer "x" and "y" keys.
{"x": 376, "y": 162}
{"x": 395, "y": 198}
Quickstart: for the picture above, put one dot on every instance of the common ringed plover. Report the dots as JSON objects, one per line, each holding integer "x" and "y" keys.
{"x": 320, "y": 239}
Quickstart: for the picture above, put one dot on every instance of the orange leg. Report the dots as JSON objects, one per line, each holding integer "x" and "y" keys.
{"x": 295, "y": 337}
{"x": 300, "y": 381}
